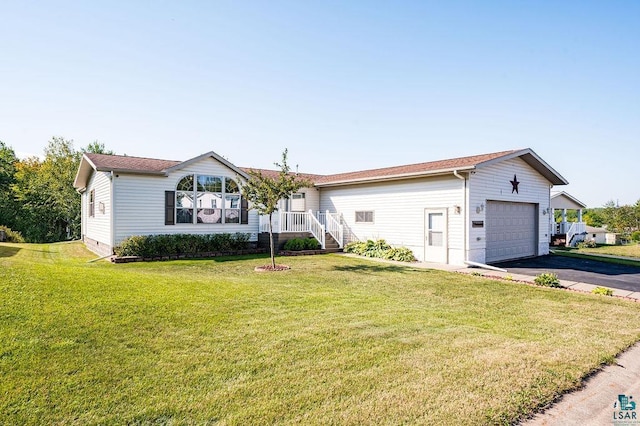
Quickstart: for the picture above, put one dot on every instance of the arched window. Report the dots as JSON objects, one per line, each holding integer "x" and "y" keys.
{"x": 207, "y": 199}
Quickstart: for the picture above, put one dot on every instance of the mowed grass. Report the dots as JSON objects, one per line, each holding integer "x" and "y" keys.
{"x": 335, "y": 340}
{"x": 629, "y": 250}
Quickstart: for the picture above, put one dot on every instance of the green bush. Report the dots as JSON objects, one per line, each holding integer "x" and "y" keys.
{"x": 603, "y": 291}
{"x": 547, "y": 280}
{"x": 311, "y": 244}
{"x": 12, "y": 236}
{"x": 294, "y": 244}
{"x": 587, "y": 244}
{"x": 172, "y": 244}
{"x": 298, "y": 244}
{"x": 635, "y": 236}
{"x": 380, "y": 249}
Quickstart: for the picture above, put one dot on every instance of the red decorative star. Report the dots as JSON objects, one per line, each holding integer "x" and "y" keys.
{"x": 514, "y": 184}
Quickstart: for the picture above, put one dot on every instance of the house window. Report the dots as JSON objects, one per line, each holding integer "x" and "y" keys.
{"x": 298, "y": 202}
{"x": 364, "y": 216}
{"x": 92, "y": 203}
{"x": 207, "y": 199}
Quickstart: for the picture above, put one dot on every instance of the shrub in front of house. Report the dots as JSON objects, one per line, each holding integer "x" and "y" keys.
{"x": 380, "y": 249}
{"x": 299, "y": 244}
{"x": 587, "y": 244}
{"x": 177, "y": 244}
{"x": 635, "y": 236}
{"x": 12, "y": 236}
{"x": 547, "y": 280}
{"x": 603, "y": 291}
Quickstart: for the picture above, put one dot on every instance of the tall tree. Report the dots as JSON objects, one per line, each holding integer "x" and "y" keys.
{"x": 50, "y": 207}
{"x": 264, "y": 193}
{"x": 8, "y": 205}
{"x": 96, "y": 147}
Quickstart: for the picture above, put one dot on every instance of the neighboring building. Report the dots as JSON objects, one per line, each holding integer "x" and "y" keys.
{"x": 568, "y": 233}
{"x": 482, "y": 208}
{"x": 601, "y": 235}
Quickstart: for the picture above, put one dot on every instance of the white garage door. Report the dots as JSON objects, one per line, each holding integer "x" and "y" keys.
{"x": 511, "y": 230}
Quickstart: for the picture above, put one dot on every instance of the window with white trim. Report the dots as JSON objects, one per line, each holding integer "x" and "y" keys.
{"x": 92, "y": 203}
{"x": 364, "y": 216}
{"x": 207, "y": 199}
{"x": 298, "y": 202}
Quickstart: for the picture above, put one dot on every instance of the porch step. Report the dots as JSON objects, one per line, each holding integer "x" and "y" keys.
{"x": 330, "y": 243}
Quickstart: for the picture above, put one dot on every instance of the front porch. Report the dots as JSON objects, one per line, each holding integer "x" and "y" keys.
{"x": 326, "y": 227}
{"x": 564, "y": 232}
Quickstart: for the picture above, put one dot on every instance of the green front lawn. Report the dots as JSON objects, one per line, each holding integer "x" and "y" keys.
{"x": 629, "y": 250}
{"x": 335, "y": 340}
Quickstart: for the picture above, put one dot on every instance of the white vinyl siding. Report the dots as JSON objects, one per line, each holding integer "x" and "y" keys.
{"x": 493, "y": 183}
{"x": 98, "y": 226}
{"x": 140, "y": 204}
{"x": 399, "y": 211}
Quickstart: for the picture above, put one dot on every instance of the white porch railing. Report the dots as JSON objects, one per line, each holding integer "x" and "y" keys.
{"x": 333, "y": 225}
{"x": 295, "y": 222}
{"x": 576, "y": 228}
{"x": 317, "y": 229}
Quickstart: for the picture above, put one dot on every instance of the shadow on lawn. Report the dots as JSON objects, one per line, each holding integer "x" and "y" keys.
{"x": 220, "y": 259}
{"x": 6, "y": 251}
{"x": 373, "y": 268}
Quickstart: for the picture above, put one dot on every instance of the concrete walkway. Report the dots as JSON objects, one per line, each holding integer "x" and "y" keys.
{"x": 593, "y": 404}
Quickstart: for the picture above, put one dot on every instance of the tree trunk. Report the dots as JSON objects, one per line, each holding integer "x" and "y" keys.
{"x": 271, "y": 248}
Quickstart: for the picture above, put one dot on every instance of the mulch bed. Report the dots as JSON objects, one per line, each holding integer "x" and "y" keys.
{"x": 270, "y": 268}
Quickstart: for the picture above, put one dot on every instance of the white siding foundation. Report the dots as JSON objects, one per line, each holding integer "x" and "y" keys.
{"x": 398, "y": 210}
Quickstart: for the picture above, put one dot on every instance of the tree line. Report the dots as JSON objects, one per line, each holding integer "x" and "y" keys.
{"x": 622, "y": 219}
{"x": 37, "y": 198}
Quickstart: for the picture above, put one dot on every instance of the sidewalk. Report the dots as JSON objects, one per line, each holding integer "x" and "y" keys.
{"x": 594, "y": 403}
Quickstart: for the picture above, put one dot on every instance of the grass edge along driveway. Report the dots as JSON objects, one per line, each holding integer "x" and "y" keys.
{"x": 334, "y": 340}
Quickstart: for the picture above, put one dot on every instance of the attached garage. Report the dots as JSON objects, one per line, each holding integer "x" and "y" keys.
{"x": 512, "y": 230}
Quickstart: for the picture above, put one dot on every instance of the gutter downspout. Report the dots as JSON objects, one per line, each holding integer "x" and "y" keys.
{"x": 466, "y": 216}
{"x": 112, "y": 212}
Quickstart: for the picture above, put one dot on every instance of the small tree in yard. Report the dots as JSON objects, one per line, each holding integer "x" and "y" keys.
{"x": 264, "y": 192}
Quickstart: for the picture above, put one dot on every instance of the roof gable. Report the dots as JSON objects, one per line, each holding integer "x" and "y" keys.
{"x": 138, "y": 165}
{"x": 564, "y": 200}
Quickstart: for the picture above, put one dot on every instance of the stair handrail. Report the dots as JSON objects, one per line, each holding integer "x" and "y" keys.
{"x": 576, "y": 228}
{"x": 316, "y": 228}
{"x": 334, "y": 227}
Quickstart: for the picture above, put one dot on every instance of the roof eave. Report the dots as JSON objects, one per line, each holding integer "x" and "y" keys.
{"x": 132, "y": 171}
{"x": 402, "y": 176}
{"x": 83, "y": 173}
{"x": 532, "y": 159}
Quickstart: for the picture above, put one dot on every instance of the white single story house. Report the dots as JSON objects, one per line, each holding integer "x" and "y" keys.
{"x": 482, "y": 208}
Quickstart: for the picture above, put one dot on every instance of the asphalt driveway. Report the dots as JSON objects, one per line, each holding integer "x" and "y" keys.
{"x": 581, "y": 270}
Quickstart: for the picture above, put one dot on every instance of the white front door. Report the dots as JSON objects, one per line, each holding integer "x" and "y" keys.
{"x": 436, "y": 239}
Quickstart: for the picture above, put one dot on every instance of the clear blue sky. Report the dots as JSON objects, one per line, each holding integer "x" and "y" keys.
{"x": 345, "y": 85}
